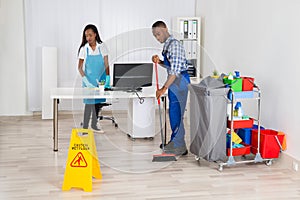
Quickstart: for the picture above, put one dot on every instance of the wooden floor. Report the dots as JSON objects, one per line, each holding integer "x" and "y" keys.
{"x": 31, "y": 170}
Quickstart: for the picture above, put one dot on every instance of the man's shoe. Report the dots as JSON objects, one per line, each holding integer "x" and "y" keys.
{"x": 185, "y": 153}
{"x": 178, "y": 151}
{"x": 97, "y": 130}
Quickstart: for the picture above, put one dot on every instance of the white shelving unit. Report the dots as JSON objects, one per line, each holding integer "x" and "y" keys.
{"x": 188, "y": 31}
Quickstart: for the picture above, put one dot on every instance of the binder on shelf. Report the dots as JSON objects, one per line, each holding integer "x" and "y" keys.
{"x": 190, "y": 29}
{"x": 190, "y": 49}
{"x": 194, "y": 29}
{"x": 185, "y": 29}
{"x": 194, "y": 48}
{"x": 187, "y": 44}
{"x": 181, "y": 29}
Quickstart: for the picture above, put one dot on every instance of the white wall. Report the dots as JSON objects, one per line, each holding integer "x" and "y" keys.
{"x": 55, "y": 23}
{"x": 124, "y": 26}
{"x": 260, "y": 38}
{"x": 60, "y": 23}
{"x": 13, "y": 99}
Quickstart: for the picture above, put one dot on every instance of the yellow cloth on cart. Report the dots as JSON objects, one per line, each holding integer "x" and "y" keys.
{"x": 235, "y": 138}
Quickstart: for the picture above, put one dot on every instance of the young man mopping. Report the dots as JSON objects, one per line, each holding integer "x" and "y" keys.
{"x": 177, "y": 85}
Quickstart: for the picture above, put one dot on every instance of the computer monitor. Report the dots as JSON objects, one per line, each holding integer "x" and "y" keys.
{"x": 132, "y": 75}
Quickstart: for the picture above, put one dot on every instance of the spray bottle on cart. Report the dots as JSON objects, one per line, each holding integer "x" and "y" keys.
{"x": 238, "y": 112}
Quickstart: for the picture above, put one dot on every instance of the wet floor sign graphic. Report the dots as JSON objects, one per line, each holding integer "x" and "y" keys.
{"x": 82, "y": 162}
{"x": 79, "y": 161}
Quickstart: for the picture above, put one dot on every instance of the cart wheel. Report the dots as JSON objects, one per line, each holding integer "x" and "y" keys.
{"x": 220, "y": 168}
{"x": 197, "y": 158}
{"x": 150, "y": 138}
{"x": 116, "y": 125}
{"x": 269, "y": 162}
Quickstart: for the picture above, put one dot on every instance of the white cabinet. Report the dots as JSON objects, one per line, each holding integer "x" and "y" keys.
{"x": 141, "y": 118}
{"x": 188, "y": 31}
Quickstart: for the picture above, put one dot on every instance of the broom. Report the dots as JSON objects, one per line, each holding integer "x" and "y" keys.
{"x": 164, "y": 157}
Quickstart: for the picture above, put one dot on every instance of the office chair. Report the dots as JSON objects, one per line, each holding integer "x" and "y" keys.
{"x": 102, "y": 117}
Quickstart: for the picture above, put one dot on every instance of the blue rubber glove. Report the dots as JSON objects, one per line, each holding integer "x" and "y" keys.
{"x": 87, "y": 83}
{"x": 107, "y": 81}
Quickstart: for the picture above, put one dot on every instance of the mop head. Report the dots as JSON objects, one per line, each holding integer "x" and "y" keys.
{"x": 164, "y": 157}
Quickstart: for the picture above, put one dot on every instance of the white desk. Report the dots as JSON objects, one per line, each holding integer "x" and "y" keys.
{"x": 86, "y": 93}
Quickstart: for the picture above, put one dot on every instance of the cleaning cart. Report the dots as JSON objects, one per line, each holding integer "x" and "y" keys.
{"x": 265, "y": 144}
{"x": 211, "y": 126}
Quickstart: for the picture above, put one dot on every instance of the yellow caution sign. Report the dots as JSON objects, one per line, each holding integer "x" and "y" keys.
{"x": 82, "y": 162}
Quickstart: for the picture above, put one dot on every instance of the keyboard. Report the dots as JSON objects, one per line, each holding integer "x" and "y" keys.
{"x": 124, "y": 89}
{"x": 120, "y": 88}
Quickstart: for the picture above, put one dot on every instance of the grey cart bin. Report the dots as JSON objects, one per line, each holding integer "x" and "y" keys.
{"x": 208, "y": 104}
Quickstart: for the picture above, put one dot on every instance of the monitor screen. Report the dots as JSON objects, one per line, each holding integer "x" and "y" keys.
{"x": 132, "y": 75}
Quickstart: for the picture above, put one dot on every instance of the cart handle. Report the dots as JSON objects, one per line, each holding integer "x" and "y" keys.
{"x": 278, "y": 142}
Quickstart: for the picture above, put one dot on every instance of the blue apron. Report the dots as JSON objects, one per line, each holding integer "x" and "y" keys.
{"x": 177, "y": 94}
{"x": 94, "y": 70}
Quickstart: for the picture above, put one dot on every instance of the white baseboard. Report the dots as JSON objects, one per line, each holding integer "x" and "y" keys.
{"x": 28, "y": 113}
{"x": 287, "y": 161}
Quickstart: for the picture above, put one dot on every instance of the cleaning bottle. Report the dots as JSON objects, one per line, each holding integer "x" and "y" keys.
{"x": 238, "y": 112}
{"x": 237, "y": 74}
{"x": 230, "y": 76}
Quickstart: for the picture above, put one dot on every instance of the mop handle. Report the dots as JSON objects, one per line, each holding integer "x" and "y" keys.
{"x": 156, "y": 76}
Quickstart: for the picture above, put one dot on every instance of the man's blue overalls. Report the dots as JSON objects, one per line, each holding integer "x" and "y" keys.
{"x": 177, "y": 94}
